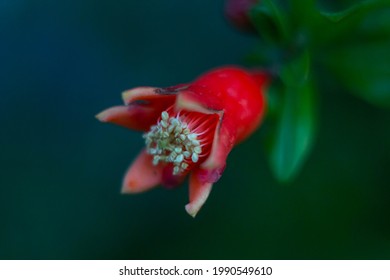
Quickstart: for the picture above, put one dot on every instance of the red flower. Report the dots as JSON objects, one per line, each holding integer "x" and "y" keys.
{"x": 190, "y": 129}
{"x": 236, "y": 11}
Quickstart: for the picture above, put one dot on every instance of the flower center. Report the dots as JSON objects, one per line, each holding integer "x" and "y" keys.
{"x": 181, "y": 140}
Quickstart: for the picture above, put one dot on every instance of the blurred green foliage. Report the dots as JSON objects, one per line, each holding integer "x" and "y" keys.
{"x": 294, "y": 119}
{"x": 301, "y": 33}
{"x": 61, "y": 170}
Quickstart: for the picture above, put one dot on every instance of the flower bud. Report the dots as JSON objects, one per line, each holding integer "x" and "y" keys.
{"x": 236, "y": 11}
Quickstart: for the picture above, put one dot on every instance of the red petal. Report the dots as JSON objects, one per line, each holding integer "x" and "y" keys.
{"x": 223, "y": 139}
{"x": 170, "y": 181}
{"x": 149, "y": 94}
{"x": 142, "y": 175}
{"x": 144, "y": 106}
{"x": 200, "y": 100}
{"x": 199, "y": 192}
{"x": 237, "y": 95}
{"x": 222, "y": 145}
{"x": 132, "y": 117}
{"x": 236, "y": 92}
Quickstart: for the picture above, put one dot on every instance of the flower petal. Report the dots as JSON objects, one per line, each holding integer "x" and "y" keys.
{"x": 261, "y": 77}
{"x": 199, "y": 192}
{"x": 198, "y": 100}
{"x": 170, "y": 181}
{"x": 143, "y": 106}
{"x": 222, "y": 145}
{"x": 142, "y": 175}
{"x": 133, "y": 116}
{"x": 223, "y": 140}
{"x": 149, "y": 94}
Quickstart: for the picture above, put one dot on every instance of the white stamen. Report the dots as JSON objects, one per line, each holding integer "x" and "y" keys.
{"x": 191, "y": 136}
{"x": 172, "y": 141}
{"x": 164, "y": 124}
{"x": 164, "y": 115}
{"x": 178, "y": 129}
{"x": 175, "y": 122}
{"x": 194, "y": 157}
{"x": 179, "y": 158}
{"x": 184, "y": 165}
{"x": 156, "y": 160}
{"x": 166, "y": 134}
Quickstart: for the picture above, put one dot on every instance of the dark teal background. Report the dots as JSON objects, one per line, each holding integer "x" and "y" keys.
{"x": 61, "y": 62}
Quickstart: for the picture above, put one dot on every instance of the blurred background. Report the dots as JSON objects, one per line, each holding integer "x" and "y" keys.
{"x": 62, "y": 62}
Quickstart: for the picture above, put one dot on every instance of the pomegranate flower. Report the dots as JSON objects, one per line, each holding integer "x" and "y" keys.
{"x": 236, "y": 11}
{"x": 189, "y": 129}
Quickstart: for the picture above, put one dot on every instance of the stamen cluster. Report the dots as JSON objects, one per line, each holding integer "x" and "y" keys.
{"x": 171, "y": 141}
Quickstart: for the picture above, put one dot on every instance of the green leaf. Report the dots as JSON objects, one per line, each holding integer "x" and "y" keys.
{"x": 365, "y": 70}
{"x": 303, "y": 12}
{"x": 361, "y": 8}
{"x": 269, "y": 20}
{"x": 336, "y": 26}
{"x": 376, "y": 26}
{"x": 293, "y": 128}
{"x": 297, "y": 72}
